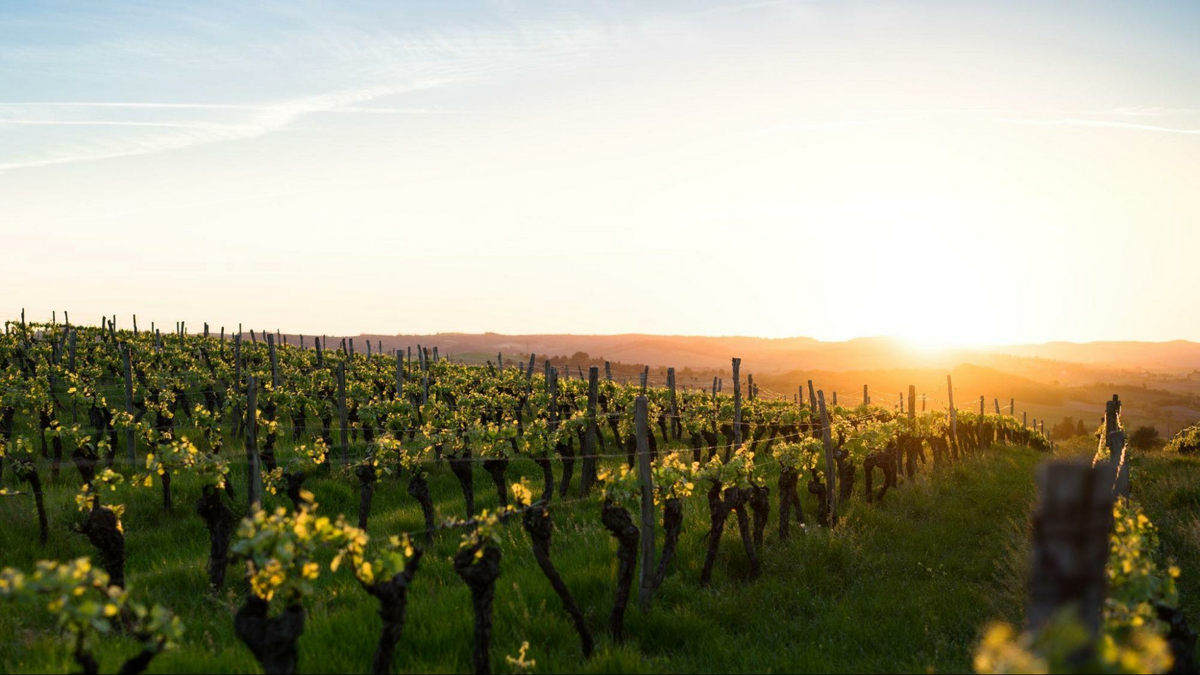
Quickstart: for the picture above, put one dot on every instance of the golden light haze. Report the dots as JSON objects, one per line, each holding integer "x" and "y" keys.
{"x": 945, "y": 174}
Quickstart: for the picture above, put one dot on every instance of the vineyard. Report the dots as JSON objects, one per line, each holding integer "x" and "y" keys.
{"x": 192, "y": 502}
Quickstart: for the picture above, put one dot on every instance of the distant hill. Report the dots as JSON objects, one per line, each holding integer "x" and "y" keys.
{"x": 1175, "y": 356}
{"x": 1160, "y": 382}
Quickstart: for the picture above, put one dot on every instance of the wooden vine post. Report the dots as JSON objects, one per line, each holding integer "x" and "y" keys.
{"x": 866, "y": 396}
{"x": 399, "y": 374}
{"x": 830, "y": 465}
{"x": 1071, "y": 542}
{"x": 982, "y": 413}
{"x": 953, "y": 415}
{"x": 1115, "y": 441}
{"x": 588, "y": 474}
{"x": 343, "y": 437}
{"x": 676, "y": 425}
{"x": 253, "y": 470}
{"x": 129, "y": 442}
{"x": 646, "y": 478}
{"x": 737, "y": 403}
{"x": 274, "y": 362}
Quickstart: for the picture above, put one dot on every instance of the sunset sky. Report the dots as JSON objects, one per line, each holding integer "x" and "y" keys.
{"x": 949, "y": 172}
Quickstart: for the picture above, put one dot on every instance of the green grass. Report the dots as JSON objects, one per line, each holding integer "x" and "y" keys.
{"x": 902, "y": 586}
{"x": 1167, "y": 485}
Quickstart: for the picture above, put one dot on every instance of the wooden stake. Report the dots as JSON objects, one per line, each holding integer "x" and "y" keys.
{"x": 399, "y": 374}
{"x": 953, "y": 413}
{"x": 588, "y": 475}
{"x": 830, "y": 464}
{"x": 344, "y": 436}
{"x": 1070, "y": 542}
{"x": 737, "y": 403}
{"x": 646, "y": 585}
{"x": 274, "y": 362}
{"x": 253, "y": 469}
{"x": 676, "y": 425}
{"x": 129, "y": 441}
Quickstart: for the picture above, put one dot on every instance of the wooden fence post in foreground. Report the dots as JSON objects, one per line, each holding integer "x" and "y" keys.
{"x": 1070, "y": 542}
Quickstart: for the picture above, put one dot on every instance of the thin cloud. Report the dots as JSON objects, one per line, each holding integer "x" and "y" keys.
{"x": 116, "y": 123}
{"x": 267, "y": 119}
{"x": 1101, "y": 124}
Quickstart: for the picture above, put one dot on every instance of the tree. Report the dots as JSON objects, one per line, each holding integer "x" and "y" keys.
{"x": 1145, "y": 438}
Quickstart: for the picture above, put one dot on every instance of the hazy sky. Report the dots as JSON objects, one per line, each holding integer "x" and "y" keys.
{"x": 966, "y": 171}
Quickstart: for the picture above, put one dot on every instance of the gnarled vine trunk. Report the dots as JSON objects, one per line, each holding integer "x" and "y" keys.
{"x": 393, "y": 604}
{"x": 460, "y": 465}
{"x": 672, "y": 526}
{"x": 788, "y": 498}
{"x": 418, "y": 489}
{"x": 366, "y": 492}
{"x": 619, "y": 523}
{"x": 219, "y": 520}
{"x": 272, "y": 640}
{"x": 101, "y": 529}
{"x": 540, "y": 528}
{"x": 498, "y": 470}
{"x": 480, "y": 574}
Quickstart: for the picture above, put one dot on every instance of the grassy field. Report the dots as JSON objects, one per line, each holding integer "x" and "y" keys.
{"x": 1168, "y": 487}
{"x": 902, "y": 586}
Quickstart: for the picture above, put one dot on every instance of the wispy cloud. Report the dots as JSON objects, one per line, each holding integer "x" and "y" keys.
{"x": 1000, "y": 117}
{"x": 265, "y": 119}
{"x": 1100, "y": 124}
{"x": 115, "y": 123}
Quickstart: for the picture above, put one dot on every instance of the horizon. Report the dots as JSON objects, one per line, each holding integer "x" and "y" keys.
{"x": 901, "y": 340}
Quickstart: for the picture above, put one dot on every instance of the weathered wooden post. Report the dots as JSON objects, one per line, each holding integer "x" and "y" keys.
{"x": 982, "y": 414}
{"x": 274, "y": 362}
{"x": 646, "y": 584}
{"x": 830, "y": 465}
{"x": 1071, "y": 530}
{"x": 866, "y": 396}
{"x": 399, "y": 374}
{"x": 953, "y": 418}
{"x": 253, "y": 470}
{"x": 588, "y": 474}
{"x": 343, "y": 436}
{"x": 676, "y": 425}
{"x": 737, "y": 403}
{"x": 129, "y": 441}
